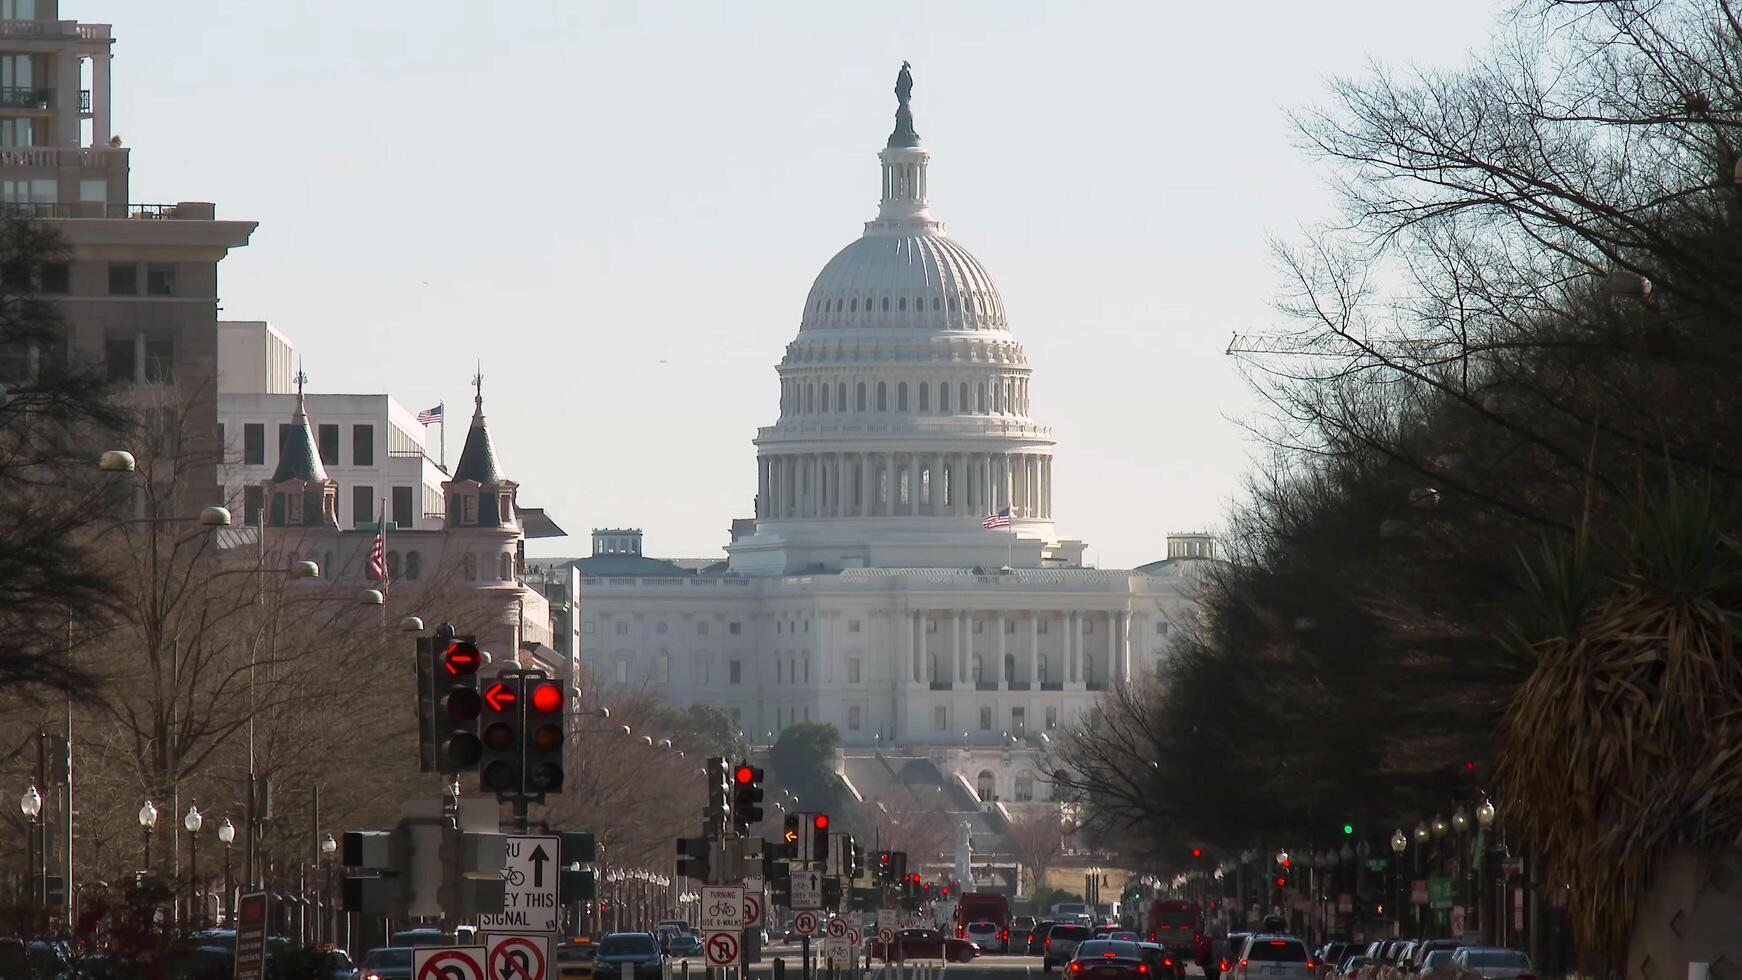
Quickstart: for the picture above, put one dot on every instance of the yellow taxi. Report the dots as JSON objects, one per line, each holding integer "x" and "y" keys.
{"x": 574, "y": 959}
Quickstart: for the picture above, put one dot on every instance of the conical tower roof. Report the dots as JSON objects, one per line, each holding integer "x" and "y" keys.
{"x": 478, "y": 459}
{"x": 299, "y": 458}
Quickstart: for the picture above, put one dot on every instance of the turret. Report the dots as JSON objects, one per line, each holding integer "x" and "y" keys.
{"x": 300, "y": 494}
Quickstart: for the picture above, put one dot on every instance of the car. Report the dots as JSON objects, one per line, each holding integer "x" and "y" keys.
{"x": 1275, "y": 957}
{"x": 1037, "y": 936}
{"x": 1124, "y": 936}
{"x": 1437, "y": 965}
{"x": 1330, "y": 957}
{"x": 1491, "y": 963}
{"x": 1162, "y": 961}
{"x": 926, "y": 944}
{"x": 1375, "y": 957}
{"x": 684, "y": 946}
{"x": 1350, "y": 967}
{"x": 1107, "y": 959}
{"x": 987, "y": 936}
{"x": 387, "y": 963}
{"x": 574, "y": 959}
{"x": 1061, "y": 944}
{"x": 639, "y": 950}
{"x": 1021, "y": 924}
{"x": 1418, "y": 954}
{"x": 1396, "y": 962}
{"x": 1227, "y": 955}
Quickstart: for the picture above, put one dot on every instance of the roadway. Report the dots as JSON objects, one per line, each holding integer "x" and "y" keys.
{"x": 984, "y": 967}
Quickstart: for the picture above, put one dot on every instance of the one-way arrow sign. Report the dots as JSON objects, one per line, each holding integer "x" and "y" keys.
{"x": 538, "y": 859}
{"x": 529, "y": 901}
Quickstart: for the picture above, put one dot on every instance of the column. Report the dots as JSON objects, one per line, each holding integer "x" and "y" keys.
{"x": 1120, "y": 655}
{"x": 988, "y": 494}
{"x": 906, "y": 650}
{"x": 761, "y": 486}
{"x": 913, "y": 484}
{"x": 1034, "y": 651}
{"x": 66, "y": 85}
{"x": 938, "y": 481}
{"x": 1080, "y": 646}
{"x": 773, "y": 463}
{"x": 100, "y": 99}
{"x": 1003, "y": 681}
{"x": 958, "y": 502}
{"x": 889, "y": 478}
{"x": 955, "y": 672}
{"x": 1022, "y": 486}
{"x": 842, "y": 497}
{"x": 1046, "y": 486}
{"x": 916, "y": 639}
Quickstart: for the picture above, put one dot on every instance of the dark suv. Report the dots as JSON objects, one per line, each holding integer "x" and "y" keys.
{"x": 640, "y": 949}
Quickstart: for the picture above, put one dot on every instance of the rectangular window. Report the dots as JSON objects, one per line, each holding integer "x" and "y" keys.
{"x": 1043, "y": 625}
{"x": 402, "y": 504}
{"x": 1161, "y": 628}
{"x": 160, "y": 279}
{"x": 735, "y": 672}
{"x": 123, "y": 279}
{"x": 852, "y": 670}
{"x": 362, "y": 506}
{"x": 362, "y": 445}
{"x": 159, "y": 360}
{"x": 985, "y": 717}
{"x": 17, "y": 132}
{"x": 701, "y": 629}
{"x": 622, "y": 629}
{"x": 293, "y": 507}
{"x": 254, "y": 444}
{"x": 253, "y": 501}
{"x": 94, "y": 192}
{"x": 701, "y": 672}
{"x": 1010, "y": 626}
{"x": 118, "y": 358}
{"x": 327, "y": 438}
{"x": 1052, "y": 718}
{"x": 852, "y": 626}
{"x": 733, "y": 629}
{"x": 852, "y": 717}
{"x": 1019, "y": 718}
{"x": 587, "y": 626}
{"x": 622, "y": 671}
{"x": 57, "y": 279}
{"x": 940, "y": 718}
{"x": 931, "y": 626}
{"x": 468, "y": 509}
{"x": 979, "y": 625}
{"x": 1088, "y": 627}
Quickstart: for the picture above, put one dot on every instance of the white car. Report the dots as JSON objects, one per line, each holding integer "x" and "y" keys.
{"x": 1275, "y": 958}
{"x": 987, "y": 936}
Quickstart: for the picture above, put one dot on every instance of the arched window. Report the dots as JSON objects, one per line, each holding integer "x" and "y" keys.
{"x": 1024, "y": 786}
{"x": 662, "y": 668}
{"x": 985, "y": 785}
{"x": 506, "y": 567}
{"x": 944, "y": 397}
{"x": 979, "y": 669}
{"x": 997, "y": 397}
{"x": 392, "y": 565}
{"x": 470, "y": 565}
{"x": 413, "y": 565}
{"x": 853, "y": 307}
{"x": 1042, "y": 664}
{"x": 962, "y": 402}
{"x": 841, "y": 397}
{"x": 823, "y": 400}
{"x": 906, "y": 487}
{"x": 901, "y": 305}
{"x": 901, "y": 397}
{"x": 980, "y": 398}
{"x": 886, "y": 304}
{"x": 861, "y": 396}
{"x": 810, "y": 398}
{"x": 924, "y": 400}
{"x": 882, "y": 397}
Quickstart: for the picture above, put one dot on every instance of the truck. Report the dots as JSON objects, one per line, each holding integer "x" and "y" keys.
{"x": 984, "y": 907}
{"x": 1179, "y": 926}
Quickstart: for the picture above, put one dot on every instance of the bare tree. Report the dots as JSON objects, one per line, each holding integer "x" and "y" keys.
{"x": 1038, "y": 835}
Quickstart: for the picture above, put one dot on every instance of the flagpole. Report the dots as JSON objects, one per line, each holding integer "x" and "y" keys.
{"x": 443, "y": 405}
{"x": 381, "y": 529}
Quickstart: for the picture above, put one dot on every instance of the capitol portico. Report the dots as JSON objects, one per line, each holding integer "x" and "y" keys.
{"x": 902, "y": 577}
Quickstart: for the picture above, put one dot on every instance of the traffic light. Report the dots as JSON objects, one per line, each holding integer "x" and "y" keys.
{"x": 1197, "y": 852}
{"x": 856, "y": 859}
{"x": 458, "y": 706}
{"x": 1348, "y": 830}
{"x": 746, "y": 796}
{"x": 543, "y": 729}
{"x": 502, "y": 732}
{"x": 819, "y": 838}
{"x": 885, "y": 864}
{"x": 384, "y": 853}
{"x": 789, "y": 835}
{"x": 692, "y": 858}
{"x": 719, "y": 778}
{"x": 472, "y": 863}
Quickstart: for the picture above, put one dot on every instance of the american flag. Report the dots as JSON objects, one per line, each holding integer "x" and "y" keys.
{"x": 378, "y": 554}
{"x": 429, "y": 415}
{"x": 1000, "y": 519}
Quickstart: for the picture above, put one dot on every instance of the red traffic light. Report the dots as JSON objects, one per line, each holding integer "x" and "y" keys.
{"x": 547, "y": 698}
{"x": 1281, "y": 882}
{"x": 461, "y": 659}
{"x": 500, "y": 697}
{"x": 744, "y": 775}
{"x": 820, "y": 821}
{"x": 1197, "y": 852}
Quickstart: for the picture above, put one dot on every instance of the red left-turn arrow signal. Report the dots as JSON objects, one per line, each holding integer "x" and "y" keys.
{"x": 500, "y": 697}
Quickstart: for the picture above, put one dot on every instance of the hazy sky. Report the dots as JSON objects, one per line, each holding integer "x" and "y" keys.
{"x": 619, "y": 207}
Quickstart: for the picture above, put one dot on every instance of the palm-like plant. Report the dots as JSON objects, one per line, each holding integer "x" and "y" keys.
{"x": 1625, "y": 742}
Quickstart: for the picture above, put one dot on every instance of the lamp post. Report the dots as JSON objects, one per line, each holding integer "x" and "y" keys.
{"x": 193, "y": 821}
{"x": 1491, "y": 923}
{"x": 329, "y": 922}
{"x": 30, "y": 804}
{"x": 148, "y": 820}
{"x": 226, "y": 837}
{"x": 1399, "y": 844}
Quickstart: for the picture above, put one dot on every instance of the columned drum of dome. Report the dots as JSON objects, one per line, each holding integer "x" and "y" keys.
{"x": 904, "y": 407}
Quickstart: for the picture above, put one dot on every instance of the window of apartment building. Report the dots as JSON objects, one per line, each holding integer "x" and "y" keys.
{"x": 940, "y": 718}
{"x": 123, "y": 279}
{"x": 327, "y": 438}
{"x": 1052, "y": 718}
{"x": 734, "y": 628}
{"x": 852, "y": 626}
{"x": 622, "y": 629}
{"x": 701, "y": 629}
{"x": 254, "y": 443}
{"x": 27, "y": 192}
{"x": 57, "y": 279}
{"x": 363, "y": 445}
{"x": 853, "y": 720}
{"x": 118, "y": 359}
{"x": 402, "y": 504}
{"x": 701, "y": 672}
{"x": 94, "y": 191}
{"x": 17, "y": 132}
{"x": 253, "y": 500}
{"x": 362, "y": 506}
{"x": 852, "y": 670}
{"x": 18, "y": 10}
{"x": 159, "y": 360}
{"x": 985, "y": 717}
{"x": 735, "y": 672}
{"x": 160, "y": 279}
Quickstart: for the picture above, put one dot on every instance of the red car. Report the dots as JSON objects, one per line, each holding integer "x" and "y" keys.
{"x": 926, "y": 944}
{"x": 1108, "y": 959}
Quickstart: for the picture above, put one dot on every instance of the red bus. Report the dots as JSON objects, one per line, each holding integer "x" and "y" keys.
{"x": 984, "y": 907}
{"x": 1178, "y": 925}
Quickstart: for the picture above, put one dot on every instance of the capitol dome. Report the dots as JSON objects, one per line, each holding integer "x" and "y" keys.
{"x": 904, "y": 437}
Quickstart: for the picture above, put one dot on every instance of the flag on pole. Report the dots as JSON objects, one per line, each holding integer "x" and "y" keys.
{"x": 1000, "y": 519}
{"x": 430, "y": 415}
{"x": 378, "y": 554}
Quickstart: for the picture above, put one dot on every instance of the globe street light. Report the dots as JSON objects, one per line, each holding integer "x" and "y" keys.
{"x": 1282, "y": 857}
{"x": 1485, "y": 814}
{"x": 1460, "y": 820}
{"x": 1421, "y": 832}
{"x": 1439, "y": 826}
{"x": 226, "y": 837}
{"x": 193, "y": 821}
{"x": 148, "y": 820}
{"x": 30, "y": 804}
{"x": 1399, "y": 843}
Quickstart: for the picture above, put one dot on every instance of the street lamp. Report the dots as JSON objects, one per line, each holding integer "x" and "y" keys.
{"x": 411, "y": 624}
{"x": 1460, "y": 821}
{"x": 1439, "y": 826}
{"x": 193, "y": 821}
{"x": 226, "y": 837}
{"x": 1421, "y": 832}
{"x": 1485, "y": 814}
{"x": 116, "y": 461}
{"x": 148, "y": 820}
{"x": 30, "y": 804}
{"x": 1282, "y": 857}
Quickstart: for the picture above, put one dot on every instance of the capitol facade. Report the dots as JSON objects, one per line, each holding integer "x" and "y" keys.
{"x": 868, "y": 591}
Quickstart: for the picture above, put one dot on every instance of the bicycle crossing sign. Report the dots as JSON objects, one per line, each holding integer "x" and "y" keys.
{"x": 448, "y": 963}
{"x": 722, "y": 908}
{"x": 529, "y": 901}
{"x": 722, "y": 948}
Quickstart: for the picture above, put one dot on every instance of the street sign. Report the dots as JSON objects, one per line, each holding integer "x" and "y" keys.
{"x": 752, "y": 907}
{"x": 1439, "y": 892}
{"x": 837, "y": 928}
{"x": 885, "y": 919}
{"x": 1418, "y": 892}
{"x": 251, "y": 937}
{"x": 1345, "y": 903}
{"x": 805, "y": 923}
{"x": 529, "y": 902}
{"x": 721, "y": 949}
{"x": 885, "y": 935}
{"x": 854, "y": 936}
{"x": 722, "y": 908}
{"x": 1377, "y": 864}
{"x": 517, "y": 957}
{"x": 835, "y": 948}
{"x": 807, "y": 890}
{"x": 448, "y": 963}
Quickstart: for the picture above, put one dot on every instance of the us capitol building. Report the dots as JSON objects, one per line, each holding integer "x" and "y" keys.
{"x": 866, "y": 591}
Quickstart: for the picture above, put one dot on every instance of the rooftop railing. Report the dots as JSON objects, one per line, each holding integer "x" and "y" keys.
{"x": 24, "y": 97}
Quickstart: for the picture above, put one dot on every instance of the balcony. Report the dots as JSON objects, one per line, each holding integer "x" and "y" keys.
{"x": 53, "y": 29}
{"x": 92, "y": 209}
{"x": 84, "y": 100}
{"x": 19, "y": 97}
{"x": 55, "y": 157}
